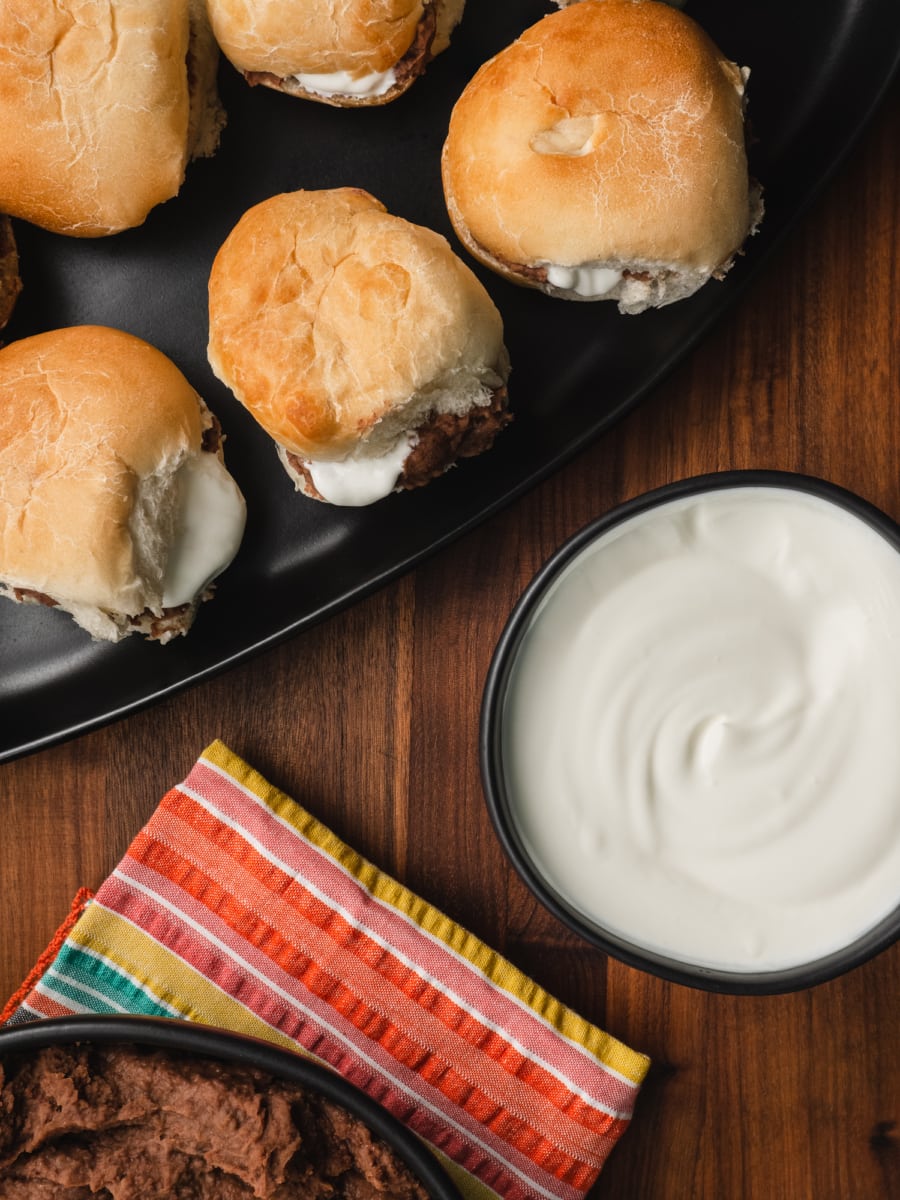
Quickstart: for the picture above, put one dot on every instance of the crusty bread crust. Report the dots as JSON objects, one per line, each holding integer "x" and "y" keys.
{"x": 89, "y": 417}
{"x": 95, "y": 110}
{"x": 610, "y": 133}
{"x": 335, "y": 323}
{"x": 274, "y": 41}
{"x": 10, "y": 283}
{"x": 206, "y": 116}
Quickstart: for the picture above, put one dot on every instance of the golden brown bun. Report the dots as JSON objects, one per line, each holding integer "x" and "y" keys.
{"x": 611, "y": 133}
{"x": 10, "y": 283}
{"x": 97, "y": 121}
{"x": 336, "y": 323}
{"x": 95, "y": 425}
{"x": 274, "y": 41}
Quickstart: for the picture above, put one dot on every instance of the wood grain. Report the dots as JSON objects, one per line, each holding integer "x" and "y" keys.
{"x": 371, "y": 720}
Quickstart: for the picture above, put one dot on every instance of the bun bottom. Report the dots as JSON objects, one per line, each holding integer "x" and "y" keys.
{"x": 643, "y": 286}
{"x": 10, "y": 283}
{"x": 111, "y": 626}
{"x": 436, "y": 446}
{"x": 206, "y": 115}
{"x": 640, "y": 285}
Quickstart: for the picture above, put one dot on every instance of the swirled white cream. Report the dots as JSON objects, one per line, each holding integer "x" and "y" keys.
{"x": 345, "y": 83}
{"x": 360, "y": 478}
{"x": 702, "y": 732}
{"x": 588, "y": 280}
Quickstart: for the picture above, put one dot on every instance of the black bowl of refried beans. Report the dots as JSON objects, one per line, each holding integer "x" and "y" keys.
{"x": 141, "y": 1108}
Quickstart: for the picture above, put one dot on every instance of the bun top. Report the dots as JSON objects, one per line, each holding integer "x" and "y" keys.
{"x": 93, "y": 423}
{"x": 94, "y": 111}
{"x": 612, "y": 130}
{"x": 331, "y": 320}
{"x": 316, "y": 37}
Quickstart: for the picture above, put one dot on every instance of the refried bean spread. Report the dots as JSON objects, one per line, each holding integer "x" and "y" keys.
{"x": 126, "y": 1123}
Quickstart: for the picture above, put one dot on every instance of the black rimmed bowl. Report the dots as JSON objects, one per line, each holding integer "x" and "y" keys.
{"x": 499, "y": 788}
{"x": 186, "y": 1039}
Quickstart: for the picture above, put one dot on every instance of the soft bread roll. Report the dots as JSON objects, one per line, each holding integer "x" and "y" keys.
{"x": 115, "y": 504}
{"x": 360, "y": 342}
{"x": 10, "y": 283}
{"x": 601, "y": 156}
{"x": 347, "y": 53}
{"x": 102, "y": 104}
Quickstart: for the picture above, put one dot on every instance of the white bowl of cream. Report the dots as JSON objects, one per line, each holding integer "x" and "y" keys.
{"x": 691, "y": 732}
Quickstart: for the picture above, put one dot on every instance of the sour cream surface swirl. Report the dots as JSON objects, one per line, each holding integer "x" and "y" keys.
{"x": 701, "y": 736}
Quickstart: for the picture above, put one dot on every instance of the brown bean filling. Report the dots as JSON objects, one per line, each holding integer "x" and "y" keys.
{"x": 443, "y": 439}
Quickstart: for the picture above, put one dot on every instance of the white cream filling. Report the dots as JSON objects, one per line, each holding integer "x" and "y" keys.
{"x": 584, "y": 280}
{"x": 345, "y": 83}
{"x": 360, "y": 478}
{"x": 209, "y": 525}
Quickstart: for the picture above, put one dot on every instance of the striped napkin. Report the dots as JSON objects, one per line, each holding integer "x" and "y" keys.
{"x": 235, "y": 907}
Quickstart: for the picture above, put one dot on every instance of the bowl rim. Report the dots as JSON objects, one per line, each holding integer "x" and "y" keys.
{"x": 241, "y": 1050}
{"x": 707, "y": 978}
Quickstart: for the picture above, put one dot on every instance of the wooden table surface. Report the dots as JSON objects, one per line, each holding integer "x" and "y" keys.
{"x": 371, "y": 720}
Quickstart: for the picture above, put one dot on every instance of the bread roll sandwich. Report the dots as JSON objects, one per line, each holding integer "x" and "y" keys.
{"x": 364, "y": 347}
{"x": 115, "y": 504}
{"x": 601, "y": 156}
{"x": 10, "y": 283}
{"x": 347, "y": 53}
{"x": 102, "y": 104}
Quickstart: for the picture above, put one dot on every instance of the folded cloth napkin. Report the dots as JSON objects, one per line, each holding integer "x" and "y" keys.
{"x": 235, "y": 907}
